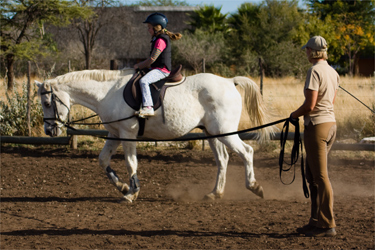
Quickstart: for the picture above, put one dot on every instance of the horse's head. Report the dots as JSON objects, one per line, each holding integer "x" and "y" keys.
{"x": 56, "y": 107}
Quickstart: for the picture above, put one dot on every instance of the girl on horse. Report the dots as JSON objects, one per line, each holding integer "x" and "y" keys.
{"x": 159, "y": 61}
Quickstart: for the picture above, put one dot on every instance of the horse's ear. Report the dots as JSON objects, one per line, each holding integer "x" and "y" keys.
{"x": 39, "y": 84}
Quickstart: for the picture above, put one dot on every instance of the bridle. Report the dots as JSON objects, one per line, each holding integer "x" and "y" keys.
{"x": 57, "y": 118}
{"x": 60, "y": 123}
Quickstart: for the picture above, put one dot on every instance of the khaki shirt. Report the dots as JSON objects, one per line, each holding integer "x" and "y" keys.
{"x": 323, "y": 78}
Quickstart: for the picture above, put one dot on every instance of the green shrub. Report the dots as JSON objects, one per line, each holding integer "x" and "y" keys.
{"x": 13, "y": 113}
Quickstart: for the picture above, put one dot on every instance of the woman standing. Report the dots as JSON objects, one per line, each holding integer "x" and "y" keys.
{"x": 321, "y": 84}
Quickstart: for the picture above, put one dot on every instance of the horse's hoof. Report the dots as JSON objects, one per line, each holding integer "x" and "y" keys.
{"x": 257, "y": 189}
{"x": 212, "y": 196}
{"x": 122, "y": 187}
{"x": 125, "y": 200}
{"x": 135, "y": 195}
{"x": 209, "y": 197}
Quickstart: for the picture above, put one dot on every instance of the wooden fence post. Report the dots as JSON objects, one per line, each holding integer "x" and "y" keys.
{"x": 113, "y": 65}
{"x": 261, "y": 72}
{"x": 28, "y": 98}
{"x": 73, "y": 141}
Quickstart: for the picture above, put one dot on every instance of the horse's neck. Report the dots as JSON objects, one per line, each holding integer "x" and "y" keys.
{"x": 88, "y": 93}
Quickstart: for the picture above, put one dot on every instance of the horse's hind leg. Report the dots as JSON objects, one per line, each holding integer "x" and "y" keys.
{"x": 246, "y": 153}
{"x": 221, "y": 157}
{"x": 104, "y": 161}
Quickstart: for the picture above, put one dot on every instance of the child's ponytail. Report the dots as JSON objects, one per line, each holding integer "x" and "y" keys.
{"x": 173, "y": 36}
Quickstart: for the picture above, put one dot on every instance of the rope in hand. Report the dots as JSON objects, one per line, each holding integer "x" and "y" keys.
{"x": 357, "y": 99}
{"x": 297, "y": 145}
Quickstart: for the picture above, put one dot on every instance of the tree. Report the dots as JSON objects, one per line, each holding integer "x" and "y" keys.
{"x": 210, "y": 19}
{"x": 352, "y": 37}
{"x": 193, "y": 48}
{"x": 22, "y": 28}
{"x": 88, "y": 28}
{"x": 267, "y": 31}
{"x": 245, "y": 29}
{"x": 278, "y": 21}
{"x": 354, "y": 28}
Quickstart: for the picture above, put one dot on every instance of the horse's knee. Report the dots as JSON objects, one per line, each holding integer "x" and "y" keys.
{"x": 103, "y": 163}
{"x": 107, "y": 152}
{"x": 104, "y": 160}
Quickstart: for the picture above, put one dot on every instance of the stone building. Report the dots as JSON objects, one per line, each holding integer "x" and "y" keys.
{"x": 124, "y": 38}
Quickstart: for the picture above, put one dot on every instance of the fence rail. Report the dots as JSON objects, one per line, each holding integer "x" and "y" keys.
{"x": 72, "y": 139}
{"x": 35, "y": 140}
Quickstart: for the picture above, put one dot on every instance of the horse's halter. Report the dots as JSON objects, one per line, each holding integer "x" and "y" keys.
{"x": 54, "y": 99}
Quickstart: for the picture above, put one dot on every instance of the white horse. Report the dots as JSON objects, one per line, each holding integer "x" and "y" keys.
{"x": 203, "y": 100}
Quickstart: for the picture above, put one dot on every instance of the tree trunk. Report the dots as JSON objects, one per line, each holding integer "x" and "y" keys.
{"x": 356, "y": 66}
{"x": 10, "y": 74}
{"x": 87, "y": 41}
{"x": 351, "y": 64}
{"x": 88, "y": 57}
{"x": 350, "y": 61}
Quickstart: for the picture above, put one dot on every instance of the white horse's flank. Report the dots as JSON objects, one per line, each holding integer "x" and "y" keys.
{"x": 204, "y": 100}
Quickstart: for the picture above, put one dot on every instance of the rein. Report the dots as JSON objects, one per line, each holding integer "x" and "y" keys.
{"x": 97, "y": 123}
{"x": 202, "y": 137}
{"x": 297, "y": 141}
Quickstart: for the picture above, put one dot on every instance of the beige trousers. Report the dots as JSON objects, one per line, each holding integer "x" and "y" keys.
{"x": 318, "y": 140}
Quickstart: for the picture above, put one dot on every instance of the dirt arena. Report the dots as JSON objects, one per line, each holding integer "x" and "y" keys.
{"x": 57, "y": 198}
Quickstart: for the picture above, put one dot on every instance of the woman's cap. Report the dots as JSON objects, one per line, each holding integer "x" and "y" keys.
{"x": 317, "y": 43}
{"x": 157, "y": 18}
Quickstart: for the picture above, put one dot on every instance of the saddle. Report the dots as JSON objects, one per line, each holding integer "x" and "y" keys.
{"x": 133, "y": 96}
{"x": 132, "y": 93}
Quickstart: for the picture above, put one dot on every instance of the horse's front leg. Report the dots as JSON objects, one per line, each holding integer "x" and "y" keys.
{"x": 130, "y": 153}
{"x": 104, "y": 161}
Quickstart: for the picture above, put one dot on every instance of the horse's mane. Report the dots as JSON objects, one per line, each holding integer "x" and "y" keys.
{"x": 96, "y": 75}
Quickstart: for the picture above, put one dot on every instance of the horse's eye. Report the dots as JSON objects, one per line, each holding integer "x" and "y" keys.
{"x": 47, "y": 104}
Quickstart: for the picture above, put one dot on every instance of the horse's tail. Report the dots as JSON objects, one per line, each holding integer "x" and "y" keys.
{"x": 255, "y": 106}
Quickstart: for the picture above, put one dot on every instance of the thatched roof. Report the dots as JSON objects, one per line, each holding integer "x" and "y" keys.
{"x": 124, "y": 35}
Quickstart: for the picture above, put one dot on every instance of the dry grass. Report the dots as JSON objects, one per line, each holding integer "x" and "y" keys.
{"x": 284, "y": 95}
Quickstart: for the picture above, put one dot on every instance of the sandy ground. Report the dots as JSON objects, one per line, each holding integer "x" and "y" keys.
{"x": 57, "y": 198}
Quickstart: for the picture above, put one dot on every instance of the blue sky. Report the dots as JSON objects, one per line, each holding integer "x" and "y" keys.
{"x": 228, "y": 6}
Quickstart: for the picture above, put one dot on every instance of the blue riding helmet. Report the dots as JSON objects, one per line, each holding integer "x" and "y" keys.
{"x": 157, "y": 18}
